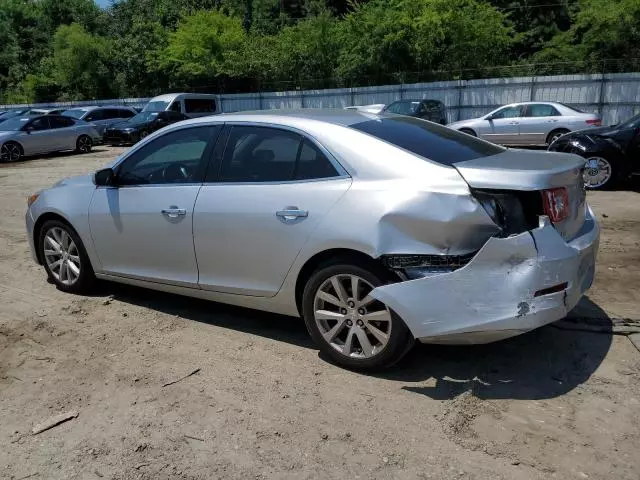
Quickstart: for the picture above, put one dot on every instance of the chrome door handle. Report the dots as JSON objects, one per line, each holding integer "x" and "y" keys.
{"x": 514, "y": 123}
{"x": 174, "y": 212}
{"x": 291, "y": 214}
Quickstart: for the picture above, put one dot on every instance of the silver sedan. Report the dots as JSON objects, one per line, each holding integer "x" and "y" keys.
{"x": 528, "y": 124}
{"x": 377, "y": 230}
{"x": 24, "y": 136}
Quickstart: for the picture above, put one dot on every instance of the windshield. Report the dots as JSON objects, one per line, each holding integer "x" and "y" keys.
{"x": 75, "y": 113}
{"x": 13, "y": 124}
{"x": 633, "y": 122}
{"x": 155, "y": 107}
{"x": 403, "y": 108}
{"x": 143, "y": 116}
{"x": 428, "y": 140}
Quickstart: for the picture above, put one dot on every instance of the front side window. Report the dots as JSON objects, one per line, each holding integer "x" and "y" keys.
{"x": 176, "y": 157}
{"x": 428, "y": 140}
{"x": 264, "y": 154}
{"x": 199, "y": 105}
{"x": 125, "y": 114}
{"x": 507, "y": 112}
{"x": 175, "y": 106}
{"x": 542, "y": 110}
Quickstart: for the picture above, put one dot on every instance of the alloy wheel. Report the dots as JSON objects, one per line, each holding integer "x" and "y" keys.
{"x": 597, "y": 172}
{"x": 84, "y": 144}
{"x": 62, "y": 256}
{"x": 353, "y": 323}
{"x": 10, "y": 152}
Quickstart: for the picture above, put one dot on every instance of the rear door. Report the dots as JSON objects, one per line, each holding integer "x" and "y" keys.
{"x": 503, "y": 127}
{"x": 538, "y": 121}
{"x": 64, "y": 132}
{"x": 266, "y": 192}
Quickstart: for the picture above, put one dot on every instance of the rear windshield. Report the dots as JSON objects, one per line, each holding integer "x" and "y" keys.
{"x": 572, "y": 108}
{"x": 429, "y": 140}
{"x": 74, "y": 113}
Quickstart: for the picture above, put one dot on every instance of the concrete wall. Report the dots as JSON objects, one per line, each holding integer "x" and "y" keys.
{"x": 615, "y": 96}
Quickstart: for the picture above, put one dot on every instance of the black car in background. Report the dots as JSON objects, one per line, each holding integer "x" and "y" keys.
{"x": 139, "y": 126}
{"x": 432, "y": 110}
{"x": 612, "y": 153}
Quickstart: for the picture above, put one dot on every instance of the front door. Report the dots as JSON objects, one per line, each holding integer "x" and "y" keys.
{"x": 64, "y": 132}
{"x": 143, "y": 227}
{"x": 252, "y": 219}
{"x": 503, "y": 126}
{"x": 38, "y": 137}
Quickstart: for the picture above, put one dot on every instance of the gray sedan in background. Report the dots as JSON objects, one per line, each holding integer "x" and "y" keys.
{"x": 25, "y": 136}
{"x": 528, "y": 123}
{"x": 376, "y": 229}
{"x": 101, "y": 116}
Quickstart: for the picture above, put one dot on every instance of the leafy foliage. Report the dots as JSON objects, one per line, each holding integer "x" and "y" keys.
{"x": 74, "y": 50}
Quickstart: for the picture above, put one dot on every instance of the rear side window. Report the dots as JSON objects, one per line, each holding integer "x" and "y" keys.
{"x": 541, "y": 110}
{"x": 61, "y": 122}
{"x": 263, "y": 154}
{"x": 95, "y": 115}
{"x": 199, "y": 105}
{"x": 429, "y": 140}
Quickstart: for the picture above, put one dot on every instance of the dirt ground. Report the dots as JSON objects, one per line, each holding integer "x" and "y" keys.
{"x": 555, "y": 403}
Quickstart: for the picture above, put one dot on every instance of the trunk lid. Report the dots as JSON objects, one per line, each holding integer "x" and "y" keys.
{"x": 532, "y": 171}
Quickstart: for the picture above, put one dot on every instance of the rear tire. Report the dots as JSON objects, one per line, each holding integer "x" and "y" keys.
{"x": 10, "y": 152}
{"x": 84, "y": 144}
{"x": 555, "y": 134}
{"x": 468, "y": 131}
{"x": 64, "y": 257}
{"x": 356, "y": 332}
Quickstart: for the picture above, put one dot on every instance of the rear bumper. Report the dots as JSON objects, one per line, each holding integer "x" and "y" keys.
{"x": 493, "y": 296}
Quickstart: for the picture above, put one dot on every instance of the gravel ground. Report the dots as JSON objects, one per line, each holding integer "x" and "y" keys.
{"x": 559, "y": 402}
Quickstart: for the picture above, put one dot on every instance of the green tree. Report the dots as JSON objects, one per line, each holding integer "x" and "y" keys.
{"x": 598, "y": 35}
{"x": 204, "y": 46}
{"x": 81, "y": 64}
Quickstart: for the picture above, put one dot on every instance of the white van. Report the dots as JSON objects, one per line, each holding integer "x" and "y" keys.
{"x": 189, "y": 104}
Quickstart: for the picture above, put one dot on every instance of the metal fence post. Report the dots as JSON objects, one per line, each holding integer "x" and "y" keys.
{"x": 461, "y": 86}
{"x": 603, "y": 81}
{"x": 532, "y": 95}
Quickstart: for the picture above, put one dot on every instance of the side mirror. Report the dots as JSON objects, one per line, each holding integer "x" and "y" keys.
{"x": 104, "y": 178}
{"x": 489, "y": 117}
{"x": 29, "y": 129}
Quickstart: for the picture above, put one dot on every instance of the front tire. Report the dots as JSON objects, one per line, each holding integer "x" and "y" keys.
{"x": 64, "y": 257}
{"x": 10, "y": 152}
{"x": 351, "y": 328}
{"x": 84, "y": 144}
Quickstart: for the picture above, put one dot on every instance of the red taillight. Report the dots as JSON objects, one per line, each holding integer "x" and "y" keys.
{"x": 596, "y": 122}
{"x": 556, "y": 203}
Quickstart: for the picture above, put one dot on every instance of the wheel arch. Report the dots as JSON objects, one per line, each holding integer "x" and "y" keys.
{"x": 16, "y": 142}
{"x": 468, "y": 129}
{"x": 37, "y": 229}
{"x": 327, "y": 257}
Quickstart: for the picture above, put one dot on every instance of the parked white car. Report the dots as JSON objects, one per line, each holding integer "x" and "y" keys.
{"x": 528, "y": 123}
{"x": 192, "y": 105}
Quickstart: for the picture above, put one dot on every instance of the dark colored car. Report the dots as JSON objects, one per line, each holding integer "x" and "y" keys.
{"x": 612, "y": 153}
{"x": 139, "y": 126}
{"x": 432, "y": 110}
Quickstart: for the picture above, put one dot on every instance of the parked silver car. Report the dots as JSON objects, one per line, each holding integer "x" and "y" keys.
{"x": 528, "y": 123}
{"x": 101, "y": 116}
{"x": 24, "y": 136}
{"x": 377, "y": 230}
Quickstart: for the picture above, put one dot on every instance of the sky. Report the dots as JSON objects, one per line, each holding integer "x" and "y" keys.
{"x": 103, "y": 3}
